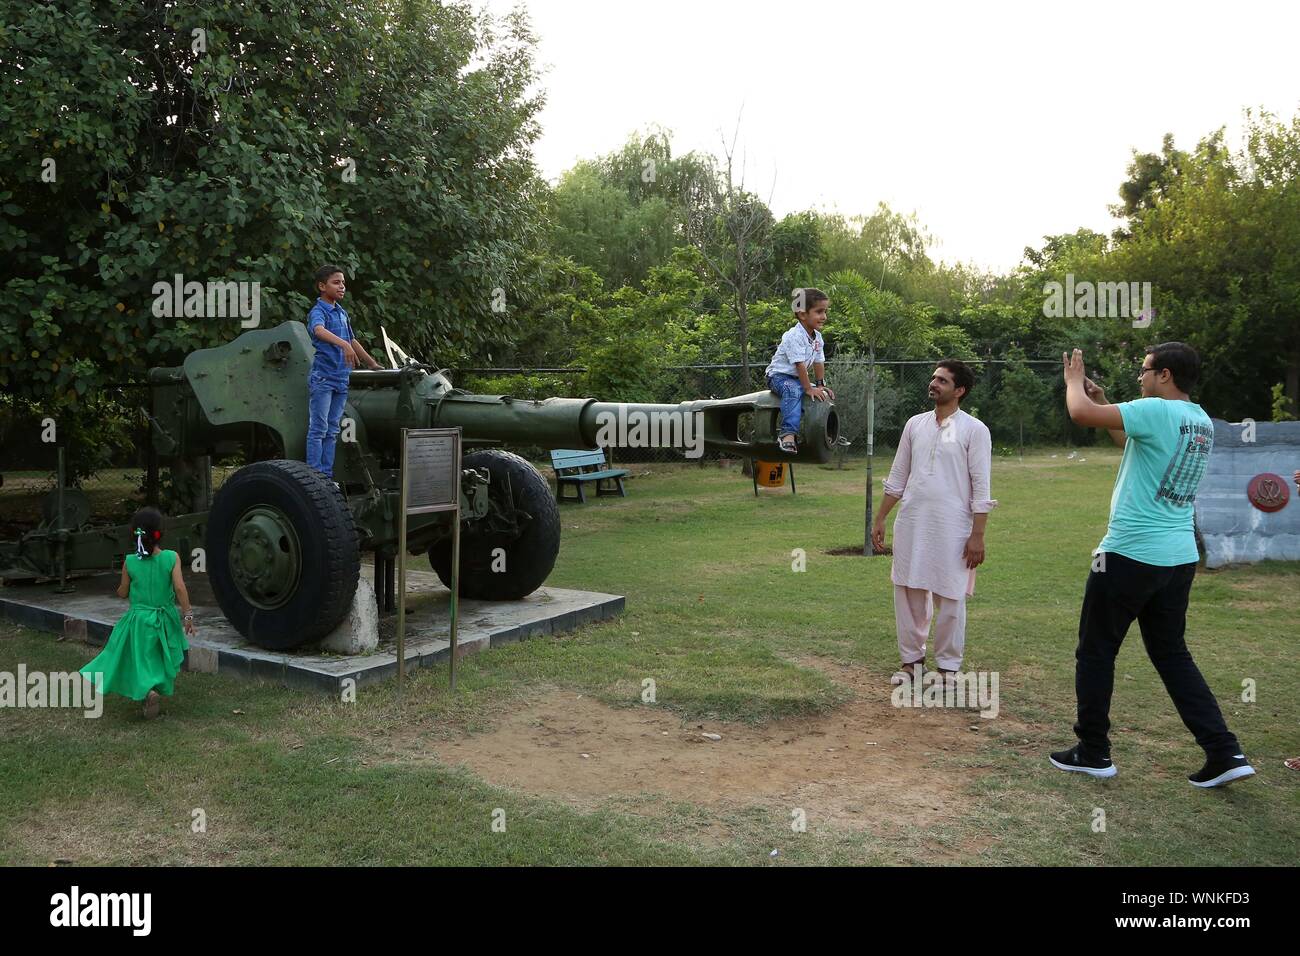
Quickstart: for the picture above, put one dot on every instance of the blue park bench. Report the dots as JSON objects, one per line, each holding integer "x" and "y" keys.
{"x": 577, "y": 467}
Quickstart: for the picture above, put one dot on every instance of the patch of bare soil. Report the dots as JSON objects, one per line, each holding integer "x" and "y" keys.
{"x": 865, "y": 764}
{"x": 855, "y": 551}
{"x": 104, "y": 832}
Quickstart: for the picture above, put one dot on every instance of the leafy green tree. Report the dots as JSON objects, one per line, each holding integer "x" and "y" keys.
{"x": 879, "y": 320}
{"x": 731, "y": 229}
{"x": 600, "y": 226}
{"x": 1023, "y": 397}
{"x": 250, "y": 142}
{"x": 1151, "y": 176}
{"x": 1220, "y": 244}
{"x": 623, "y": 214}
{"x": 560, "y": 300}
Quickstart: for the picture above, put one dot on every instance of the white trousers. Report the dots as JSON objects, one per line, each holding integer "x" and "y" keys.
{"x": 913, "y": 608}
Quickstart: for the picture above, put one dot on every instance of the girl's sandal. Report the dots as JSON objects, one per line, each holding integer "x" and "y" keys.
{"x": 787, "y": 444}
{"x": 1293, "y": 763}
{"x": 151, "y": 704}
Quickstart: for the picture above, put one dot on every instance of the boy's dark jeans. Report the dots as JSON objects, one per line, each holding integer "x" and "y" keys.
{"x": 1157, "y": 597}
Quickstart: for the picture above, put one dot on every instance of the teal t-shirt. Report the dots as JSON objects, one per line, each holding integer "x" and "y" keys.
{"x": 1151, "y": 509}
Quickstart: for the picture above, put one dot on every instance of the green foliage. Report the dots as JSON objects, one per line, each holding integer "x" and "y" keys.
{"x": 231, "y": 161}
{"x": 1023, "y": 402}
{"x": 1281, "y": 405}
{"x": 623, "y": 214}
{"x": 849, "y": 374}
{"x": 529, "y": 385}
{"x": 599, "y": 226}
{"x": 108, "y": 432}
{"x": 951, "y": 341}
{"x": 1219, "y": 240}
{"x": 872, "y": 320}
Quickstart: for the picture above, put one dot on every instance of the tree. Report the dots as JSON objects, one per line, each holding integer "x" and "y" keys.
{"x": 1220, "y": 245}
{"x": 1150, "y": 178}
{"x": 878, "y": 320}
{"x": 731, "y": 229}
{"x": 623, "y": 214}
{"x": 1021, "y": 396}
{"x": 251, "y": 143}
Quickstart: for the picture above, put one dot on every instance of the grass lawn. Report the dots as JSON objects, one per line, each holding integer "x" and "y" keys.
{"x": 553, "y": 738}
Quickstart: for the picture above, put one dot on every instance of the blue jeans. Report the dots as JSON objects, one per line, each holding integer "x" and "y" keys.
{"x": 790, "y": 390}
{"x": 325, "y": 411}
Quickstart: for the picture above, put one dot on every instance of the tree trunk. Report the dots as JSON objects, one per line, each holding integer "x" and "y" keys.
{"x": 742, "y": 313}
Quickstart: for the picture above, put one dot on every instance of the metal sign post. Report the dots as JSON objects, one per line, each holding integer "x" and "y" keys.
{"x": 430, "y": 482}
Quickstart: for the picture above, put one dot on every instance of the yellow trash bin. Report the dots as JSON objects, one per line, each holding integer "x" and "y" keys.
{"x": 770, "y": 474}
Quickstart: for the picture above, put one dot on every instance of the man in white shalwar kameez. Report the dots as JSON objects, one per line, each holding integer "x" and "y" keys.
{"x": 941, "y": 476}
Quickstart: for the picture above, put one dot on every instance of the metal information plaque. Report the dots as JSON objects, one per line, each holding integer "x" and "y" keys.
{"x": 430, "y": 481}
{"x": 432, "y": 470}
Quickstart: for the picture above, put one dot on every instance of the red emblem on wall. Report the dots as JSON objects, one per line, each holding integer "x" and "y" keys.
{"x": 1268, "y": 492}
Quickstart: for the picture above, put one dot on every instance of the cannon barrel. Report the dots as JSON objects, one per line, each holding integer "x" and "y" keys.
{"x": 745, "y": 426}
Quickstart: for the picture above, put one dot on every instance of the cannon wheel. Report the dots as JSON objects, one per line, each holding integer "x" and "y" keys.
{"x": 282, "y": 553}
{"x": 529, "y": 557}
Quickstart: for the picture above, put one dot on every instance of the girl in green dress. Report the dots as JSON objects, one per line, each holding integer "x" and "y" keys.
{"x": 145, "y": 651}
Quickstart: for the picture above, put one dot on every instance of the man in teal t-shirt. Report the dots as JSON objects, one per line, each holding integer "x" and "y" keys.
{"x": 1144, "y": 567}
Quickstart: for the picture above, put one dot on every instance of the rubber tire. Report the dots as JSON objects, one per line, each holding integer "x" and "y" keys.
{"x": 529, "y": 558}
{"x": 327, "y": 538}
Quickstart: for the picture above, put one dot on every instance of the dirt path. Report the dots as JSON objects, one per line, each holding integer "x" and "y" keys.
{"x": 865, "y": 763}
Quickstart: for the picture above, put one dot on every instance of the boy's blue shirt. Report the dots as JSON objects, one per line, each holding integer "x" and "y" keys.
{"x": 329, "y": 366}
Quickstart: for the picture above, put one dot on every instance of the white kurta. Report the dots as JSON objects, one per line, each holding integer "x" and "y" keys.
{"x": 941, "y": 475}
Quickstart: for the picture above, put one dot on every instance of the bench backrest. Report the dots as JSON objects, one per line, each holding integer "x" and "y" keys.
{"x": 563, "y": 459}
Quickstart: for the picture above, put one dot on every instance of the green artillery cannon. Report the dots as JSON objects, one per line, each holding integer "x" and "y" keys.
{"x": 281, "y": 544}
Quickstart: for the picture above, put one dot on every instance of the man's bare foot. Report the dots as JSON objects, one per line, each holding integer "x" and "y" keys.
{"x": 151, "y": 705}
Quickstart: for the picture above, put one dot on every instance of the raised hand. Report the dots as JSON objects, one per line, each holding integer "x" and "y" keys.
{"x": 1073, "y": 367}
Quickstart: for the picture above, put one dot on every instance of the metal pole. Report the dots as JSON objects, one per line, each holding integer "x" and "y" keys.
{"x": 401, "y": 576}
{"x": 390, "y": 583}
{"x": 59, "y": 530}
{"x": 868, "y": 548}
{"x": 455, "y": 586}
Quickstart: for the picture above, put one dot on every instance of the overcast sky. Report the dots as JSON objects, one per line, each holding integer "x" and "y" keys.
{"x": 997, "y": 123}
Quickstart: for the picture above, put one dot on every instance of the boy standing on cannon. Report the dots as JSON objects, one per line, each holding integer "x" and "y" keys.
{"x": 337, "y": 352}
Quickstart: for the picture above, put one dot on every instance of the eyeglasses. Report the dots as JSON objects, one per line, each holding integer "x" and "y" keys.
{"x": 1142, "y": 371}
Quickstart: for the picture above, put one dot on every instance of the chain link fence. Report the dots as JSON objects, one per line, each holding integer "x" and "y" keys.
{"x": 106, "y": 447}
{"x": 103, "y": 445}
